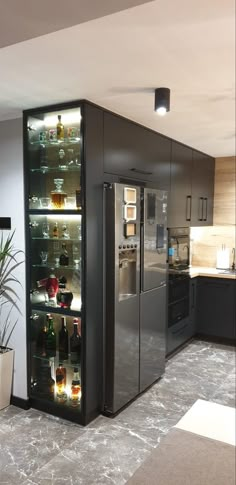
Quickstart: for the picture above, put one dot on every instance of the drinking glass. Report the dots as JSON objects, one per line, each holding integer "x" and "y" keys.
{"x": 70, "y": 203}
{"x": 45, "y": 230}
{"x": 45, "y": 202}
{"x": 44, "y": 257}
{"x": 65, "y": 232}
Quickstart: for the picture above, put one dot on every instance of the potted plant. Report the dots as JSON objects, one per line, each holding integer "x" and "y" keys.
{"x": 8, "y": 301}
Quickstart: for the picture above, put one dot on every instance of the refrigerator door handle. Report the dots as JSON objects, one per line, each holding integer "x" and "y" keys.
{"x": 141, "y": 257}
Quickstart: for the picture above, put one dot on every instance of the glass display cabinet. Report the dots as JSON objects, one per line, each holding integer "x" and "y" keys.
{"x": 64, "y": 187}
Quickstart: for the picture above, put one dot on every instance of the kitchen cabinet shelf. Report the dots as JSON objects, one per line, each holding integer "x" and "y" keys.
{"x": 54, "y": 239}
{"x": 58, "y": 212}
{"x": 56, "y": 143}
{"x": 52, "y": 266}
{"x": 55, "y": 309}
{"x": 55, "y": 361}
{"x": 46, "y": 306}
{"x": 55, "y": 169}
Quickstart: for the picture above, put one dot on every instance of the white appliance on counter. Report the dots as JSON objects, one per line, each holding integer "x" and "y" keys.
{"x": 222, "y": 258}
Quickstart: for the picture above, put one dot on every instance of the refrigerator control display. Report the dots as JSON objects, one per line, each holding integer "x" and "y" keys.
{"x": 130, "y": 195}
{"x": 130, "y": 212}
{"x": 129, "y": 229}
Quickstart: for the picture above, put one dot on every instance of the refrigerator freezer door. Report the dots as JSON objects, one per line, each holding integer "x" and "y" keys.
{"x": 154, "y": 239}
{"x": 122, "y": 299}
{"x": 152, "y": 336}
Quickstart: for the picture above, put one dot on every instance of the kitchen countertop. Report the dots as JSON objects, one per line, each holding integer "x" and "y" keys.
{"x": 195, "y": 271}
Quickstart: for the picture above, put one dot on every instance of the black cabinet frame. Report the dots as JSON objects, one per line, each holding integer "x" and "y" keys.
{"x": 92, "y": 262}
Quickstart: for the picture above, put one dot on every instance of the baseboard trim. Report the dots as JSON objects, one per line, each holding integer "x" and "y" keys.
{"x": 20, "y": 403}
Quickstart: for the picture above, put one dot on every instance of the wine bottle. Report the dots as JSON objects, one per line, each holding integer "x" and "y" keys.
{"x": 51, "y": 344}
{"x": 75, "y": 343}
{"x": 41, "y": 341}
{"x": 75, "y": 388}
{"x": 63, "y": 340}
{"x": 64, "y": 258}
{"x": 60, "y": 129}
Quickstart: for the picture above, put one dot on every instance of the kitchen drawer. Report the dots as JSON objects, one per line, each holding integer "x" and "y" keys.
{"x": 179, "y": 333}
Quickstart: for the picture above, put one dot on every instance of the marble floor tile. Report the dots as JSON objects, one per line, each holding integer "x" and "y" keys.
{"x": 6, "y": 479}
{"x": 226, "y": 394}
{"x": 35, "y": 438}
{"x": 106, "y": 455}
{"x": 38, "y": 449}
{"x": 10, "y": 412}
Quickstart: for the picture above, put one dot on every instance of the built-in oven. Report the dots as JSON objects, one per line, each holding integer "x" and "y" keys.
{"x": 178, "y": 297}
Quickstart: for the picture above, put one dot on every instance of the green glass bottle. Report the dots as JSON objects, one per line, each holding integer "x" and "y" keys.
{"x": 51, "y": 343}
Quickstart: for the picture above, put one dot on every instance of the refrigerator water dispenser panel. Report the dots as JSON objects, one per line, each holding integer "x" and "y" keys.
{"x": 130, "y": 213}
{"x": 127, "y": 274}
{"x": 130, "y": 195}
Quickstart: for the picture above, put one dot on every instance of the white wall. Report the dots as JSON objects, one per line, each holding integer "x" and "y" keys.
{"x": 12, "y": 205}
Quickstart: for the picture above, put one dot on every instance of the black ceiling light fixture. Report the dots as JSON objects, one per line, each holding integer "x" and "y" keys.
{"x": 162, "y": 101}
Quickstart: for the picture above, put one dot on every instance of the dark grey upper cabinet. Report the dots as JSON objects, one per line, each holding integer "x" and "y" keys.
{"x": 135, "y": 152}
{"x": 179, "y": 204}
{"x": 202, "y": 189}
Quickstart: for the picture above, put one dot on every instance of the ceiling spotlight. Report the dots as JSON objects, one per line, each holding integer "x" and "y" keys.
{"x": 162, "y": 101}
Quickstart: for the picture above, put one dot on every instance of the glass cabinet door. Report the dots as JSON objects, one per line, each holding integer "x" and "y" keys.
{"x": 56, "y": 262}
{"x": 55, "y": 256}
{"x": 54, "y": 160}
{"x": 56, "y": 359}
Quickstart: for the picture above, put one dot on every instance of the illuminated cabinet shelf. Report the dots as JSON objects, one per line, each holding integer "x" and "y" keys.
{"x": 63, "y": 162}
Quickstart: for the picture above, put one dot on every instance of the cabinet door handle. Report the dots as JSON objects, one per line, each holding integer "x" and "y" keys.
{"x": 193, "y": 297}
{"x": 141, "y": 172}
{"x": 206, "y": 207}
{"x": 188, "y": 207}
{"x": 200, "y": 212}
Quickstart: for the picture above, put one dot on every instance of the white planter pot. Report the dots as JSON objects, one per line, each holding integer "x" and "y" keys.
{"x": 6, "y": 375}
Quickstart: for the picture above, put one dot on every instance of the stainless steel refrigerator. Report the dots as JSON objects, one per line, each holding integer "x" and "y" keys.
{"x": 135, "y": 296}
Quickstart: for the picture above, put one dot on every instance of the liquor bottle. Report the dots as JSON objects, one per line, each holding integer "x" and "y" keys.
{"x": 41, "y": 341}
{"x": 52, "y": 288}
{"x": 64, "y": 258}
{"x": 63, "y": 340}
{"x": 75, "y": 388}
{"x": 55, "y": 232}
{"x": 75, "y": 343}
{"x": 48, "y": 383}
{"x": 61, "y": 383}
{"x": 60, "y": 129}
{"x": 51, "y": 343}
{"x": 58, "y": 195}
{"x": 61, "y": 371}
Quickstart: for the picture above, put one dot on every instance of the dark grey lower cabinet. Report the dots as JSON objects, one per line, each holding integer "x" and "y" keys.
{"x": 178, "y": 334}
{"x": 215, "y": 315}
{"x": 182, "y": 331}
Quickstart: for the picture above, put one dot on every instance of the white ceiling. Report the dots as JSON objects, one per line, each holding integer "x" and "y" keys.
{"x": 117, "y": 61}
{"x": 26, "y": 19}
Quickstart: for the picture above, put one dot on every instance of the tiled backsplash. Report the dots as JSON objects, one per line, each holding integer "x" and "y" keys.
{"x": 205, "y": 241}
